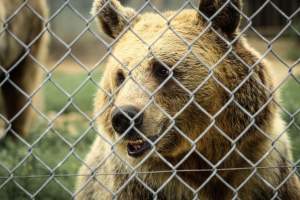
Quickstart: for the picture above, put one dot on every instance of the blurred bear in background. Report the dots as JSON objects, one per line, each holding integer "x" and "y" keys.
{"x": 22, "y": 46}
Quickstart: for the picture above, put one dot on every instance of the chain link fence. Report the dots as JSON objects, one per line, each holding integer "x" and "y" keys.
{"x": 172, "y": 119}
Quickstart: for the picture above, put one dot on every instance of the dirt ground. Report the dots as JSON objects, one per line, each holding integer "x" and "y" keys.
{"x": 279, "y": 62}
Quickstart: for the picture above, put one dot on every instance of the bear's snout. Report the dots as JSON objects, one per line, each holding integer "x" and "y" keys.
{"x": 125, "y": 120}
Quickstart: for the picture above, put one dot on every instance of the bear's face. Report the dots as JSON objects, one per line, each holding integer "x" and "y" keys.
{"x": 159, "y": 80}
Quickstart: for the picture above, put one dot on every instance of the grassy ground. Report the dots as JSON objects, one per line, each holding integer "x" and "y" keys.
{"x": 59, "y": 152}
{"x": 51, "y": 155}
{"x": 290, "y": 94}
{"x": 76, "y": 87}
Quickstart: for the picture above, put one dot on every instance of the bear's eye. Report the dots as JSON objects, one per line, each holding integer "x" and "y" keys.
{"x": 120, "y": 78}
{"x": 160, "y": 71}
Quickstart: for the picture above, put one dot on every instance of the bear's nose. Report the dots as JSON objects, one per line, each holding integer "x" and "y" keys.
{"x": 122, "y": 118}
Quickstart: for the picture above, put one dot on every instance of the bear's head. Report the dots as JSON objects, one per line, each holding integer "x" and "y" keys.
{"x": 167, "y": 77}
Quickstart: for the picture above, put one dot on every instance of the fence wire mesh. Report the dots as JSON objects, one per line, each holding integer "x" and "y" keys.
{"x": 52, "y": 57}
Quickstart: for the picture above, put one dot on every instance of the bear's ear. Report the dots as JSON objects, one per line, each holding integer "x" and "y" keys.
{"x": 112, "y": 15}
{"x": 226, "y": 16}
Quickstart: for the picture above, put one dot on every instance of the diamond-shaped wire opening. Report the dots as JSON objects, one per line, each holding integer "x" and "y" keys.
{"x": 133, "y": 176}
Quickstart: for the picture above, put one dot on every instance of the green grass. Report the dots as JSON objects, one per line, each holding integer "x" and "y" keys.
{"x": 62, "y": 88}
{"x": 49, "y": 153}
{"x": 34, "y": 169}
{"x": 47, "y": 157}
{"x": 291, "y": 102}
{"x": 293, "y": 52}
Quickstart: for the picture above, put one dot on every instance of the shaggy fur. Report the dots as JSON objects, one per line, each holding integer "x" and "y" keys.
{"x": 232, "y": 118}
{"x": 19, "y": 27}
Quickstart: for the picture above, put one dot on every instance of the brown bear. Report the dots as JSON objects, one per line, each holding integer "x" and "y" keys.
{"x": 23, "y": 45}
{"x": 186, "y": 110}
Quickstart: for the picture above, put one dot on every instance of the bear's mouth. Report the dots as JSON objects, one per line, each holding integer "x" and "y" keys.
{"x": 138, "y": 147}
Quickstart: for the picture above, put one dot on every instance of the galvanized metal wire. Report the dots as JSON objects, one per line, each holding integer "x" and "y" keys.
{"x": 90, "y": 71}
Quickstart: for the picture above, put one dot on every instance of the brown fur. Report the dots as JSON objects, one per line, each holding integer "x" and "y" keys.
{"x": 243, "y": 152}
{"x": 21, "y": 22}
